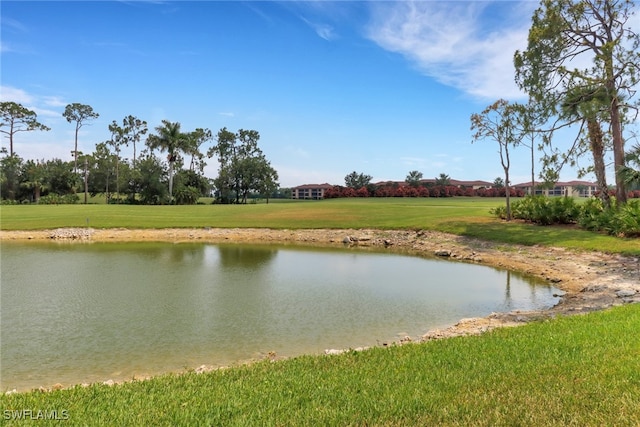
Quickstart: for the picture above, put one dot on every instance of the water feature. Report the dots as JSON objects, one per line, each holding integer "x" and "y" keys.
{"x": 73, "y": 313}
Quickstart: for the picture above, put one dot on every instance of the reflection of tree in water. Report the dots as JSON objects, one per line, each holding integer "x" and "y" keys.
{"x": 243, "y": 256}
{"x": 174, "y": 253}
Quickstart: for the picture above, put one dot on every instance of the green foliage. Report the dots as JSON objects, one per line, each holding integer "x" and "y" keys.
{"x": 357, "y": 180}
{"x": 243, "y": 166}
{"x": 187, "y": 195}
{"x": 57, "y": 199}
{"x": 590, "y": 215}
{"x": 629, "y": 219}
{"x": 546, "y": 210}
{"x": 150, "y": 180}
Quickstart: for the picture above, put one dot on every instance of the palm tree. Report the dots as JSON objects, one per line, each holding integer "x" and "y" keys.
{"x": 34, "y": 178}
{"x": 413, "y": 178}
{"x": 169, "y": 139}
{"x": 585, "y": 104}
{"x": 443, "y": 179}
{"x": 630, "y": 175}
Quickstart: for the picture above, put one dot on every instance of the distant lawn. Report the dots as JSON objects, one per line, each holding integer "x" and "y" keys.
{"x": 461, "y": 215}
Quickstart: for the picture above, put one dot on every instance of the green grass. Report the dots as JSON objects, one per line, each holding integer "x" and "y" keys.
{"x": 463, "y": 216}
{"x": 579, "y": 370}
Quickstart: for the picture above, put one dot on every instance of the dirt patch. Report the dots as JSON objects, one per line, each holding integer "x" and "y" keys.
{"x": 590, "y": 280}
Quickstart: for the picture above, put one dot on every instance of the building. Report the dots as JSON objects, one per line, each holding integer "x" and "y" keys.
{"x": 570, "y": 188}
{"x": 310, "y": 191}
{"x": 476, "y": 185}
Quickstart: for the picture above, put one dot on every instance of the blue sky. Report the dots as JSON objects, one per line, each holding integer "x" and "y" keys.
{"x": 377, "y": 87}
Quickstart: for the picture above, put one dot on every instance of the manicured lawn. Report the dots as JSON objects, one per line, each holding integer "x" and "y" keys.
{"x": 464, "y": 216}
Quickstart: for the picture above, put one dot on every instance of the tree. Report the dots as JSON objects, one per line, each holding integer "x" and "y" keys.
{"x": 132, "y": 130}
{"x": 567, "y": 33}
{"x": 101, "y": 166}
{"x": 60, "y": 177}
{"x": 10, "y": 167}
{"x": 169, "y": 139}
{"x": 630, "y": 175}
{"x": 16, "y": 118}
{"x": 586, "y": 104}
{"x": 80, "y": 114}
{"x": 498, "y": 182}
{"x": 529, "y": 118}
{"x": 151, "y": 179}
{"x": 443, "y": 179}
{"x": 243, "y": 166}
{"x": 34, "y": 178}
{"x": 497, "y": 122}
{"x": 413, "y": 178}
{"x": 194, "y": 140}
{"x": 117, "y": 140}
{"x": 357, "y": 180}
{"x": 225, "y": 150}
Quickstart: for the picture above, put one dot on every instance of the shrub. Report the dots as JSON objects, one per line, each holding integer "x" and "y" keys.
{"x": 546, "y": 210}
{"x": 187, "y": 195}
{"x": 628, "y": 219}
{"x": 57, "y": 199}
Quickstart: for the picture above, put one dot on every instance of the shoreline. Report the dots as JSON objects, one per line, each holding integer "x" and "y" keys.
{"x": 589, "y": 281}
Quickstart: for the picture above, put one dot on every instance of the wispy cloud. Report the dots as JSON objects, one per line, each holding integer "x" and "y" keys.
{"x": 8, "y": 93}
{"x": 460, "y": 44}
{"x": 42, "y": 105}
{"x": 323, "y": 30}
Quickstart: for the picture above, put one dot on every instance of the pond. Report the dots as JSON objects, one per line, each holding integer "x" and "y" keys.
{"x": 73, "y": 313}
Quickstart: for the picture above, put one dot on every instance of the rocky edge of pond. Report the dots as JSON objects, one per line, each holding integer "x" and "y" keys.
{"x": 588, "y": 280}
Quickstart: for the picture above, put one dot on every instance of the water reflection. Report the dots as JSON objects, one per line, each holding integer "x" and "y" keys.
{"x": 73, "y": 313}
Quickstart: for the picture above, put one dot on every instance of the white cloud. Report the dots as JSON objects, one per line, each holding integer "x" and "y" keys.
{"x": 324, "y": 31}
{"x": 41, "y": 105}
{"x": 460, "y": 44}
{"x": 8, "y": 93}
{"x": 54, "y": 101}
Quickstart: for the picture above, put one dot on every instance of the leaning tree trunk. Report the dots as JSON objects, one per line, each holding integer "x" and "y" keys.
{"x": 597, "y": 148}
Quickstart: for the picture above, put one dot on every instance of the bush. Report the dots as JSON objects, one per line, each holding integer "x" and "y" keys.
{"x": 546, "y": 210}
{"x": 628, "y": 219}
{"x": 57, "y": 199}
{"x": 187, "y": 195}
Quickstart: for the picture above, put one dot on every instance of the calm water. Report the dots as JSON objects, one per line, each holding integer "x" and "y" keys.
{"x": 83, "y": 313}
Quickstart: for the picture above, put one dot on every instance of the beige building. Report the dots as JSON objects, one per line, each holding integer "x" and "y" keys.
{"x": 569, "y": 189}
{"x": 310, "y": 191}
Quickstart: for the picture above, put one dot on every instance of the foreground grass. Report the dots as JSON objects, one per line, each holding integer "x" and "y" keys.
{"x": 580, "y": 370}
{"x": 463, "y": 216}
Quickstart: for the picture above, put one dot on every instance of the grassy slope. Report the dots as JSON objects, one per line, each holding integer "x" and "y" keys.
{"x": 578, "y": 371}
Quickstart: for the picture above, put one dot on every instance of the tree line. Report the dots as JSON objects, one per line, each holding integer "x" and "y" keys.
{"x": 147, "y": 178}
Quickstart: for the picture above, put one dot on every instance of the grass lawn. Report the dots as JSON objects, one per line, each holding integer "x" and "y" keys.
{"x": 463, "y": 216}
